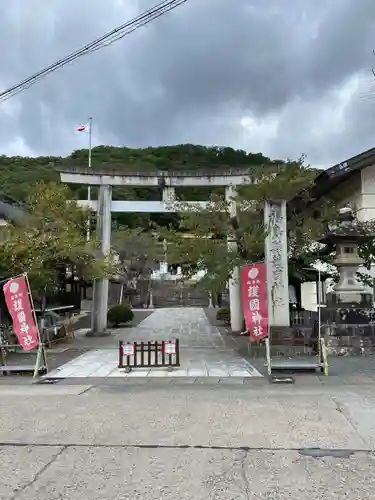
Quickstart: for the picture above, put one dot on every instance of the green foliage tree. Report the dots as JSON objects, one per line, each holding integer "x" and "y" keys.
{"x": 51, "y": 236}
{"x": 18, "y": 173}
{"x": 274, "y": 179}
{"x": 201, "y": 240}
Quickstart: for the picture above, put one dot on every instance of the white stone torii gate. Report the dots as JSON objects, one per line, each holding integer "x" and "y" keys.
{"x": 275, "y": 213}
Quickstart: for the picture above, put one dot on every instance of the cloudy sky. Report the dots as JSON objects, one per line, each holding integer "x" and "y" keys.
{"x": 281, "y": 77}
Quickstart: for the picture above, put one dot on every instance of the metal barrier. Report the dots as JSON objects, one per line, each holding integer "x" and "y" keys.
{"x": 151, "y": 354}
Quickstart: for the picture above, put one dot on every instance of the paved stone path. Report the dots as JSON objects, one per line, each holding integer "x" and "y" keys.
{"x": 203, "y": 351}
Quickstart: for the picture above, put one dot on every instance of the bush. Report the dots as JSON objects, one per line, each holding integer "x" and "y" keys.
{"x": 223, "y": 314}
{"x": 120, "y": 314}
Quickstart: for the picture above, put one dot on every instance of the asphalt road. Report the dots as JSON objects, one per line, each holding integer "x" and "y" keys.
{"x": 187, "y": 442}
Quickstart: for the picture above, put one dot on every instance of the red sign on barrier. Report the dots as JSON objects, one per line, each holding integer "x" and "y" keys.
{"x": 170, "y": 348}
{"x": 128, "y": 349}
{"x": 254, "y": 300}
{"x": 16, "y": 293}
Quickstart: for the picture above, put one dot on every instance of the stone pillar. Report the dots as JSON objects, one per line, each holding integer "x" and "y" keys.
{"x": 236, "y": 315}
{"x": 100, "y": 295}
{"x": 276, "y": 251}
{"x": 169, "y": 197}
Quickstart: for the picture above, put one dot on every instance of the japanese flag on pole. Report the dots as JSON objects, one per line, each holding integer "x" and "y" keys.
{"x": 83, "y": 128}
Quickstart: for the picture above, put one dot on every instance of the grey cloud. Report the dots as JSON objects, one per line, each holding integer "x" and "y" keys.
{"x": 189, "y": 77}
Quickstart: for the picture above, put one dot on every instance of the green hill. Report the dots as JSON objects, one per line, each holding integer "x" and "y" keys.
{"x": 18, "y": 173}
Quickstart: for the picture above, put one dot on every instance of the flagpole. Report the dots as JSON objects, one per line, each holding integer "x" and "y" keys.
{"x": 90, "y": 166}
{"x": 90, "y": 141}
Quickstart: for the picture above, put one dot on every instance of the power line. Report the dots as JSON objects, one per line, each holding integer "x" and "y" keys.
{"x": 104, "y": 41}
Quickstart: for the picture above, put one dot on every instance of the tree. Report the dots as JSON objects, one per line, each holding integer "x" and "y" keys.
{"x": 139, "y": 252}
{"x": 51, "y": 237}
{"x": 206, "y": 247}
{"x": 274, "y": 179}
{"x": 18, "y": 173}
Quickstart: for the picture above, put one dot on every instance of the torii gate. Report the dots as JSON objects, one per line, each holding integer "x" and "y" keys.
{"x": 275, "y": 214}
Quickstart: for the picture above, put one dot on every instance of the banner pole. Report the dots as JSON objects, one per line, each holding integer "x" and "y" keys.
{"x": 269, "y": 313}
{"x": 11, "y": 278}
{"x": 268, "y": 356}
{"x": 41, "y": 351}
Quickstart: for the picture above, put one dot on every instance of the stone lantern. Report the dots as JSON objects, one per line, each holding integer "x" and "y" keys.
{"x": 346, "y": 236}
{"x": 348, "y": 318}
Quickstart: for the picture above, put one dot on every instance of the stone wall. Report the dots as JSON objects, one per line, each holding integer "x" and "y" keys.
{"x": 177, "y": 294}
{"x": 349, "y": 331}
{"x": 349, "y": 339}
{"x": 165, "y": 294}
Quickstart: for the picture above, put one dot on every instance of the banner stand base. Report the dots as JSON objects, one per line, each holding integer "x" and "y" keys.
{"x": 312, "y": 364}
{"x": 41, "y": 361}
{"x": 20, "y": 370}
{"x": 36, "y": 369}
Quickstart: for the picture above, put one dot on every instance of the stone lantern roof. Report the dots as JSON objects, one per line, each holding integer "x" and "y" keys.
{"x": 347, "y": 230}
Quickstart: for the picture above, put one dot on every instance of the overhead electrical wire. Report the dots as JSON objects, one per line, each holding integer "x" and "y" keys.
{"x": 104, "y": 41}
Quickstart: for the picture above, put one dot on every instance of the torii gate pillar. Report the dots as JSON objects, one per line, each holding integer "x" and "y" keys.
{"x": 101, "y": 286}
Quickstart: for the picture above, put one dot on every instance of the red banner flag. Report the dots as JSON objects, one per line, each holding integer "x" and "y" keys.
{"x": 17, "y": 299}
{"x": 254, "y": 300}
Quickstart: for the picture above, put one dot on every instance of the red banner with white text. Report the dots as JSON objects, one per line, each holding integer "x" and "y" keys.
{"x": 16, "y": 293}
{"x": 254, "y": 300}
